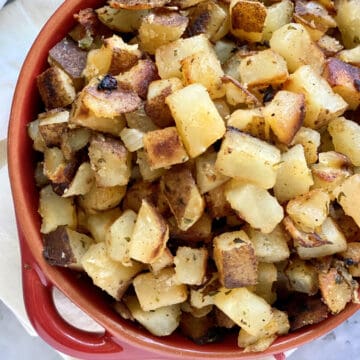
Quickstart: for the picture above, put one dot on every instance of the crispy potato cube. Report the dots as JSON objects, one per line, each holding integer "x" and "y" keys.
{"x": 56, "y": 88}
{"x": 247, "y": 19}
{"x": 101, "y": 198}
{"x": 264, "y": 213}
{"x": 202, "y": 297}
{"x": 56, "y": 168}
{"x": 65, "y": 247}
{"x": 217, "y": 204}
{"x": 343, "y": 78}
{"x": 156, "y": 291}
{"x": 55, "y": 211}
{"x": 160, "y": 322}
{"x": 346, "y": 136}
{"x": 347, "y": 19}
{"x": 278, "y": 14}
{"x": 332, "y": 233}
{"x": 350, "y": 56}
{"x": 183, "y": 196}
{"x": 247, "y": 158}
{"x": 164, "y": 148}
{"x": 207, "y": 176}
{"x": 302, "y": 276}
{"x": 347, "y": 195}
{"x": 249, "y": 311}
{"x": 285, "y": 115}
{"x": 52, "y": 126}
{"x": 269, "y": 248}
{"x": 166, "y": 259}
{"x": 190, "y": 265}
{"x": 335, "y": 291}
{"x": 155, "y": 106}
{"x": 132, "y": 139}
{"x": 160, "y": 28}
{"x": 107, "y": 274}
{"x": 293, "y": 176}
{"x": 308, "y": 211}
{"x": 82, "y": 182}
{"x": 263, "y": 69}
{"x": 294, "y": 44}
{"x": 34, "y": 134}
{"x": 235, "y": 260}
{"x": 144, "y": 166}
{"x": 168, "y": 57}
{"x": 110, "y": 161}
{"x": 310, "y": 140}
{"x": 322, "y": 104}
{"x": 198, "y": 126}
{"x": 204, "y": 68}
{"x": 150, "y": 234}
{"x": 118, "y": 237}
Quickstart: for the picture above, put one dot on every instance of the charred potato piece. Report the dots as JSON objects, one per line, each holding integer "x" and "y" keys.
{"x": 217, "y": 204}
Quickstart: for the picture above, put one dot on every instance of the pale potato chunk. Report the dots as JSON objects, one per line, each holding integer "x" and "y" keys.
{"x": 346, "y": 138}
{"x": 150, "y": 234}
{"x": 293, "y": 177}
{"x": 255, "y": 205}
{"x": 310, "y": 140}
{"x": 158, "y": 290}
{"x": 160, "y": 322}
{"x": 165, "y": 260}
{"x": 249, "y": 311}
{"x": 146, "y": 172}
{"x": 198, "y": 126}
{"x": 82, "y": 182}
{"x": 190, "y": 265}
{"x": 107, "y": 274}
{"x": 351, "y": 56}
{"x": 267, "y": 275}
{"x": 263, "y": 69}
{"x": 294, "y": 44}
{"x": 322, "y": 104}
{"x": 309, "y": 210}
{"x": 247, "y": 158}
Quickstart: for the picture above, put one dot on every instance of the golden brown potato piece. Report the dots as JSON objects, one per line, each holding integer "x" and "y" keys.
{"x": 344, "y": 80}
{"x": 138, "y": 4}
{"x": 82, "y": 181}
{"x": 56, "y": 88}
{"x": 285, "y": 115}
{"x": 350, "y": 56}
{"x": 329, "y": 45}
{"x": 53, "y": 125}
{"x": 217, "y": 204}
{"x": 164, "y": 148}
{"x": 310, "y": 140}
{"x": 183, "y": 196}
{"x": 235, "y": 260}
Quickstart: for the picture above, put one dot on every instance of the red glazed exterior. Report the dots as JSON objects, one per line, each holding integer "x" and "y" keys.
{"x": 122, "y": 340}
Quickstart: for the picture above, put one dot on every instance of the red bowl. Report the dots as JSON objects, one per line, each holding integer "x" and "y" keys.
{"x": 122, "y": 339}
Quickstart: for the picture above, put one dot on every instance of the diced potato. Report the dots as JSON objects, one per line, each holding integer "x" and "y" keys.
{"x": 217, "y": 204}
{"x": 347, "y": 195}
{"x": 160, "y": 322}
{"x": 166, "y": 259}
{"x": 110, "y": 161}
{"x": 343, "y": 78}
{"x": 56, "y": 168}
{"x": 82, "y": 182}
{"x": 329, "y": 45}
{"x": 190, "y": 265}
{"x": 294, "y": 44}
{"x": 310, "y": 140}
{"x": 207, "y": 176}
{"x": 118, "y": 237}
{"x": 146, "y": 172}
{"x": 161, "y": 28}
{"x": 74, "y": 140}
{"x": 109, "y": 275}
{"x": 235, "y": 260}
{"x": 139, "y": 120}
{"x": 150, "y": 234}
{"x": 137, "y": 4}
{"x": 322, "y": 104}
{"x": 156, "y": 291}
{"x": 164, "y": 148}
{"x": 52, "y": 126}
{"x": 302, "y": 276}
{"x": 293, "y": 176}
{"x": 347, "y": 19}
{"x": 285, "y": 115}
{"x": 35, "y": 136}
{"x": 55, "y": 211}
{"x": 203, "y": 296}
{"x": 65, "y": 247}
{"x": 278, "y": 14}
{"x": 56, "y": 88}
{"x": 132, "y": 139}
{"x": 264, "y": 213}
{"x": 198, "y": 126}
{"x": 335, "y": 291}
{"x": 352, "y": 254}
{"x": 183, "y": 4}
{"x": 308, "y": 211}
{"x": 269, "y": 248}
{"x": 329, "y": 231}
{"x": 350, "y": 56}
{"x": 249, "y": 311}
{"x": 346, "y": 136}
{"x": 40, "y": 178}
{"x": 183, "y": 196}
{"x": 247, "y": 19}
{"x": 263, "y": 69}
{"x": 247, "y": 158}
{"x": 267, "y": 275}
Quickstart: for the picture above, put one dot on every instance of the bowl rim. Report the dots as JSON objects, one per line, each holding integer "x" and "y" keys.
{"x": 50, "y": 34}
